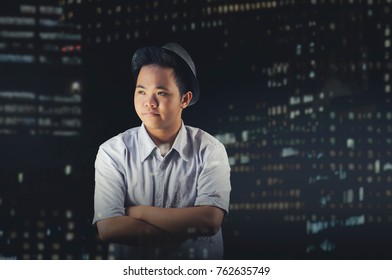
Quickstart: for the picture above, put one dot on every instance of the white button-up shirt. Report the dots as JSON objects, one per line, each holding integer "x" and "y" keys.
{"x": 129, "y": 170}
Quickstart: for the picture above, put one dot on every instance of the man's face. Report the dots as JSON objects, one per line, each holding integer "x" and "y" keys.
{"x": 157, "y": 98}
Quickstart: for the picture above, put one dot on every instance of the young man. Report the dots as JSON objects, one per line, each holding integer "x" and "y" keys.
{"x": 162, "y": 189}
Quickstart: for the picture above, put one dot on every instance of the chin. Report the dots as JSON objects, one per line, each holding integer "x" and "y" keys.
{"x": 152, "y": 125}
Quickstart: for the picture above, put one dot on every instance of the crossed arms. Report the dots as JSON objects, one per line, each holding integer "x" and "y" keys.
{"x": 144, "y": 225}
{"x": 154, "y": 224}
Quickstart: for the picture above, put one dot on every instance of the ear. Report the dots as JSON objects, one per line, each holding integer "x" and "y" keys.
{"x": 186, "y": 99}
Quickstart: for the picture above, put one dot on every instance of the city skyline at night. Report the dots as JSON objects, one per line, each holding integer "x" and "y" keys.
{"x": 40, "y": 54}
{"x": 299, "y": 92}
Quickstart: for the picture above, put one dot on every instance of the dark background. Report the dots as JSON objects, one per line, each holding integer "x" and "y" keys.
{"x": 287, "y": 86}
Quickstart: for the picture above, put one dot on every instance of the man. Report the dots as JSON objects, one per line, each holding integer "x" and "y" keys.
{"x": 162, "y": 189}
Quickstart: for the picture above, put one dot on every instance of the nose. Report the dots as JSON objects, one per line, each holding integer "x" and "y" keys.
{"x": 151, "y": 101}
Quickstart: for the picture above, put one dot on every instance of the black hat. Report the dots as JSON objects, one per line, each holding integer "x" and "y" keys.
{"x": 180, "y": 54}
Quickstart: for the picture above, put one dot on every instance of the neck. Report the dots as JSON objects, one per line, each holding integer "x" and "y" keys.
{"x": 163, "y": 136}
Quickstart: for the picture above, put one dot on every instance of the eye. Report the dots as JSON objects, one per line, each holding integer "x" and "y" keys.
{"x": 140, "y": 92}
{"x": 162, "y": 93}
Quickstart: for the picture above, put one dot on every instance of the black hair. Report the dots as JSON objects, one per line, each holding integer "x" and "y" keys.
{"x": 163, "y": 58}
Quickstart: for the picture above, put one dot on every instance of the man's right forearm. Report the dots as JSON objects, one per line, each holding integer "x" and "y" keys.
{"x": 130, "y": 231}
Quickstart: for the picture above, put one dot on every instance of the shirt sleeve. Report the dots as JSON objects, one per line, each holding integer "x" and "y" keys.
{"x": 213, "y": 186}
{"x": 109, "y": 187}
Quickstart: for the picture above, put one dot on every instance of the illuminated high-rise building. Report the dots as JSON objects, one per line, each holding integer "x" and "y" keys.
{"x": 319, "y": 170}
{"x": 40, "y": 63}
{"x": 41, "y": 89}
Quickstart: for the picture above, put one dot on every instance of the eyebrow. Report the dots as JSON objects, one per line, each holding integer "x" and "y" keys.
{"x": 158, "y": 87}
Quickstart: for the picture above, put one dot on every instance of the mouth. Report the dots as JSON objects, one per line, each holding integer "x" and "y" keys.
{"x": 150, "y": 114}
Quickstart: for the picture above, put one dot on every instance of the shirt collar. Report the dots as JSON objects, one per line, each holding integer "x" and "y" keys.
{"x": 180, "y": 143}
{"x": 147, "y": 146}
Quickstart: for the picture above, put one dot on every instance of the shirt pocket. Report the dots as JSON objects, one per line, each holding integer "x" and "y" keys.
{"x": 184, "y": 194}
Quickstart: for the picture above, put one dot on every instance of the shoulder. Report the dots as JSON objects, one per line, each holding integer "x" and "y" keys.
{"x": 121, "y": 140}
{"x": 200, "y": 136}
{"x": 202, "y": 141}
{"x": 116, "y": 149}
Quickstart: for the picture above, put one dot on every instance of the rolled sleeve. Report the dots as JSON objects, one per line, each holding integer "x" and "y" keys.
{"x": 213, "y": 186}
{"x": 109, "y": 187}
